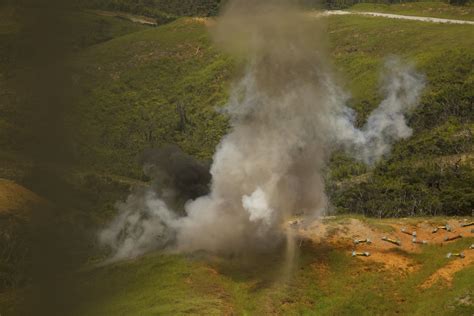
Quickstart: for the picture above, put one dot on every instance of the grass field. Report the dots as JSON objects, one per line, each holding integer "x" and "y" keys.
{"x": 430, "y": 9}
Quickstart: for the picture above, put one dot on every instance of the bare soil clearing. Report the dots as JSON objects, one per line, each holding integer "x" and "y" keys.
{"x": 446, "y": 273}
{"x": 393, "y": 257}
{"x": 16, "y": 199}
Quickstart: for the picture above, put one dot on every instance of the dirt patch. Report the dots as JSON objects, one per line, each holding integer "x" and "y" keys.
{"x": 205, "y": 21}
{"x": 342, "y": 235}
{"x": 393, "y": 261}
{"x": 127, "y": 16}
{"x": 446, "y": 273}
{"x": 212, "y": 271}
{"x": 16, "y": 199}
{"x": 424, "y": 230}
{"x": 320, "y": 268}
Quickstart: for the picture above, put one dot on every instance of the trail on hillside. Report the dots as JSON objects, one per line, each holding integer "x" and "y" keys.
{"x": 395, "y": 16}
{"x": 140, "y": 19}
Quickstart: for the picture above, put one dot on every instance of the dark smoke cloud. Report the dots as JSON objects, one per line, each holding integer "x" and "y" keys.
{"x": 176, "y": 173}
{"x": 147, "y": 219}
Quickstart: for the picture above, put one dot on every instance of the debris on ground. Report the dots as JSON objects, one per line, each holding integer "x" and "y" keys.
{"x": 415, "y": 241}
{"x": 346, "y": 234}
{"x": 445, "y": 227}
{"x": 453, "y": 237}
{"x": 360, "y": 241}
{"x": 405, "y": 231}
{"x": 460, "y": 255}
{"x": 393, "y": 241}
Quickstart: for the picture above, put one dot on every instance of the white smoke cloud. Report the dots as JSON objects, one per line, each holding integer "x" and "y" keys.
{"x": 257, "y": 207}
{"x": 287, "y": 114}
{"x": 143, "y": 224}
{"x": 402, "y": 87}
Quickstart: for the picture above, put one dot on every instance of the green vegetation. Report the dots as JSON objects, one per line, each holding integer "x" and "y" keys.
{"x": 85, "y": 30}
{"x": 431, "y": 172}
{"x": 89, "y": 29}
{"x": 134, "y": 101}
{"x": 123, "y": 112}
{"x": 162, "y": 85}
{"x": 431, "y": 9}
{"x": 155, "y": 285}
{"x": 162, "y": 10}
{"x": 142, "y": 87}
{"x": 89, "y": 196}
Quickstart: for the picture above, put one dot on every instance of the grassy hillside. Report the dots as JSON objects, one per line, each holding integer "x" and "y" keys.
{"x": 84, "y": 30}
{"x": 415, "y": 177}
{"x": 139, "y": 86}
{"x": 87, "y": 189}
{"x": 77, "y": 199}
{"x": 136, "y": 87}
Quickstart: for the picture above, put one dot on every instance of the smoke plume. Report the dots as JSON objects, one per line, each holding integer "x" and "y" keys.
{"x": 402, "y": 87}
{"x": 287, "y": 114}
{"x": 177, "y": 177}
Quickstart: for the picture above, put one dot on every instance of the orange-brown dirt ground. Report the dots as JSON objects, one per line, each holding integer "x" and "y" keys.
{"x": 341, "y": 234}
{"x": 16, "y": 199}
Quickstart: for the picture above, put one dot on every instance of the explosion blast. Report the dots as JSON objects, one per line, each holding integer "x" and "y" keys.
{"x": 287, "y": 115}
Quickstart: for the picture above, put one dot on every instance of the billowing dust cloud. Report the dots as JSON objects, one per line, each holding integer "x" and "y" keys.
{"x": 287, "y": 114}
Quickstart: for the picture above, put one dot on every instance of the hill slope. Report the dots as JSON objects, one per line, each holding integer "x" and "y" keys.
{"x": 163, "y": 86}
{"x": 140, "y": 87}
{"x": 154, "y": 87}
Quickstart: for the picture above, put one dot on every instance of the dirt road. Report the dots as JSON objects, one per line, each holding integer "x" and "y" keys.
{"x": 130, "y": 17}
{"x": 395, "y": 16}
